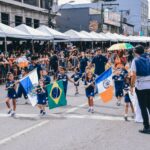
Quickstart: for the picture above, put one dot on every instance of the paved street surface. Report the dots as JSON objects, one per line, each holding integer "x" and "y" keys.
{"x": 70, "y": 127}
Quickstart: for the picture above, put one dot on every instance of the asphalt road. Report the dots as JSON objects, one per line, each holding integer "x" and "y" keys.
{"x": 70, "y": 127}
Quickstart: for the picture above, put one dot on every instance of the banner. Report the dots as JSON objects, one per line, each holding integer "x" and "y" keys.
{"x": 29, "y": 83}
{"x": 105, "y": 86}
{"x": 56, "y": 96}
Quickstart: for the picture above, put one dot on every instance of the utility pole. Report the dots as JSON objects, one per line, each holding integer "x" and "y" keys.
{"x": 121, "y": 19}
{"x": 121, "y": 22}
{"x": 50, "y": 5}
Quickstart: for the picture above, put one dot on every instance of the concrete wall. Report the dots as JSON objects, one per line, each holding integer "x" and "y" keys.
{"x": 26, "y": 13}
{"x": 77, "y": 19}
{"x": 135, "y": 17}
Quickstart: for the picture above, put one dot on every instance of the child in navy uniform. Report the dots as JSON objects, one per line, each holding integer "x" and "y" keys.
{"x": 64, "y": 77}
{"x": 76, "y": 77}
{"x": 127, "y": 99}
{"x": 45, "y": 77}
{"x": 119, "y": 82}
{"x": 11, "y": 93}
{"x": 21, "y": 90}
{"x": 42, "y": 97}
{"x": 89, "y": 90}
{"x": 124, "y": 72}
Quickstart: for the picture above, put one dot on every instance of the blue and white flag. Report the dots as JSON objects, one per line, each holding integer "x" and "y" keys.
{"x": 105, "y": 86}
{"x": 29, "y": 83}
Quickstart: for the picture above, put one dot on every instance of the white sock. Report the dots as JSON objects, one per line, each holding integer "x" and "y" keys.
{"x": 126, "y": 115}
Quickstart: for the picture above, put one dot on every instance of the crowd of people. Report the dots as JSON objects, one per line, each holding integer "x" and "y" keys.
{"x": 128, "y": 67}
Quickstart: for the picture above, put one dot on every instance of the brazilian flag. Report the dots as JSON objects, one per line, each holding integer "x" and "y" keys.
{"x": 56, "y": 96}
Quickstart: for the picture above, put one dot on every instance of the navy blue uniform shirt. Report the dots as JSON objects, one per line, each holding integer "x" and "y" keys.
{"x": 100, "y": 62}
{"x": 83, "y": 64}
{"x": 119, "y": 81}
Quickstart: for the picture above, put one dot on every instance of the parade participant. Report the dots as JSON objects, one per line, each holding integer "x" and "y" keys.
{"x": 89, "y": 89}
{"x": 124, "y": 72}
{"x": 99, "y": 62}
{"x": 45, "y": 77}
{"x": 21, "y": 90}
{"x": 42, "y": 97}
{"x": 16, "y": 71}
{"x": 11, "y": 93}
{"x": 87, "y": 69}
{"x": 76, "y": 77}
{"x": 83, "y": 62}
{"x": 35, "y": 65}
{"x": 127, "y": 98}
{"x": 64, "y": 77}
{"x": 140, "y": 69}
{"x": 119, "y": 82}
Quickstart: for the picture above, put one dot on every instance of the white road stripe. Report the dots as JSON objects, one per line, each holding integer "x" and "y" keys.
{"x": 90, "y": 116}
{"x": 80, "y": 106}
{"x": 14, "y": 136}
{"x": 95, "y": 117}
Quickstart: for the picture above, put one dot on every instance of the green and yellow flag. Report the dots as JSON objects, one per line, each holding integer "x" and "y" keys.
{"x": 56, "y": 96}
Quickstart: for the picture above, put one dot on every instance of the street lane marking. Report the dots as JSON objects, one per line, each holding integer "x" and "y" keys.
{"x": 95, "y": 117}
{"x": 90, "y": 116}
{"x": 79, "y": 106}
{"x": 14, "y": 136}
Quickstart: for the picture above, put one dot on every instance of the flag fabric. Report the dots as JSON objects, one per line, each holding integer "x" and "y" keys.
{"x": 56, "y": 95}
{"x": 105, "y": 86}
{"x": 29, "y": 83}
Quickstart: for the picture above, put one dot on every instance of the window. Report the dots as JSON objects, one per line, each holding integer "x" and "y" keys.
{"x": 5, "y": 18}
{"x": 18, "y": 0}
{"x": 36, "y": 23}
{"x": 29, "y": 22}
{"x": 31, "y": 2}
{"x": 18, "y": 20}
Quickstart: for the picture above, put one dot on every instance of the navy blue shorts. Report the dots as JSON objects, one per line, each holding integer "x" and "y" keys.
{"x": 90, "y": 94}
{"x": 127, "y": 99}
{"x": 118, "y": 92}
{"x": 12, "y": 95}
{"x": 42, "y": 101}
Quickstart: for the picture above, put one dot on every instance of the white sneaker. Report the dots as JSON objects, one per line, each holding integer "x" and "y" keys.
{"x": 89, "y": 110}
{"x": 9, "y": 112}
{"x": 92, "y": 111}
{"x": 133, "y": 116}
{"x": 13, "y": 114}
{"x": 118, "y": 103}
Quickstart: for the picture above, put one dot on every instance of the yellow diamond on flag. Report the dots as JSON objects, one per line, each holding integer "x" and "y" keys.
{"x": 56, "y": 93}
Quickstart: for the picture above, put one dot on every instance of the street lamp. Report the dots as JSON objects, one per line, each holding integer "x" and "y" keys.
{"x": 52, "y": 15}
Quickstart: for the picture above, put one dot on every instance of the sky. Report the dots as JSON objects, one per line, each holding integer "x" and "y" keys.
{"x": 76, "y": 1}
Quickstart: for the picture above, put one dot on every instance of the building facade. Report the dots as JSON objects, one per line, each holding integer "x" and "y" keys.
{"x": 138, "y": 14}
{"x": 88, "y": 17}
{"x": 31, "y": 12}
{"x": 77, "y": 18}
